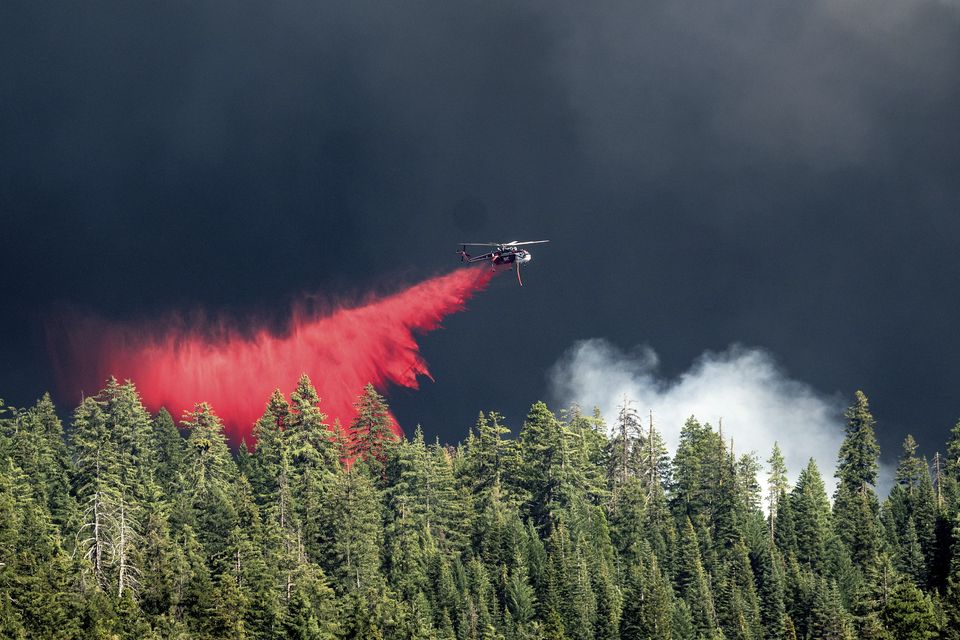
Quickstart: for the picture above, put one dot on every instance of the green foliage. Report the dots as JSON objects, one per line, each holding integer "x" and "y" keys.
{"x": 370, "y": 432}
{"x": 124, "y": 528}
{"x": 856, "y": 508}
{"x": 551, "y": 480}
{"x": 859, "y": 453}
{"x": 909, "y": 613}
{"x": 776, "y": 484}
{"x": 811, "y": 516}
{"x": 829, "y": 620}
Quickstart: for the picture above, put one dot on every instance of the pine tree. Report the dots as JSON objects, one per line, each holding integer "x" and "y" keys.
{"x": 705, "y": 488}
{"x": 909, "y": 614}
{"x": 309, "y": 439}
{"x": 767, "y": 566}
{"x": 169, "y": 450}
{"x": 911, "y": 512}
{"x": 494, "y": 539}
{"x": 911, "y": 469}
{"x": 355, "y": 531}
{"x": 37, "y": 591}
{"x": 829, "y": 619}
{"x": 856, "y": 509}
{"x": 692, "y": 584}
{"x": 748, "y": 487}
{"x": 311, "y": 612}
{"x": 480, "y": 473}
{"x": 588, "y": 451}
{"x": 951, "y": 607}
{"x": 520, "y": 600}
{"x": 130, "y": 426}
{"x": 209, "y": 472}
{"x": 271, "y": 460}
{"x": 207, "y": 463}
{"x": 371, "y": 433}
{"x": 624, "y": 448}
{"x": 648, "y": 601}
{"x": 777, "y": 486}
{"x": 810, "y": 509}
{"x": 96, "y": 483}
{"x": 951, "y": 469}
{"x": 653, "y": 462}
{"x": 910, "y": 555}
{"x": 628, "y": 521}
{"x": 446, "y": 504}
{"x": 738, "y": 607}
{"x": 486, "y": 454}
{"x": 912, "y": 505}
{"x": 859, "y": 453}
{"x": 406, "y": 517}
{"x": 691, "y": 493}
{"x": 37, "y": 446}
{"x": 550, "y": 477}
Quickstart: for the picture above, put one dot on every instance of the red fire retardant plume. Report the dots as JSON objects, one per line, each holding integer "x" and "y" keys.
{"x": 176, "y": 366}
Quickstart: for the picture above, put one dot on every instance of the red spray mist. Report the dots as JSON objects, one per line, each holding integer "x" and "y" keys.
{"x": 176, "y": 366}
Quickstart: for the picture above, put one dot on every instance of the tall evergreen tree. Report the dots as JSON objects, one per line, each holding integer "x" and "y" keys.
{"x": 96, "y": 483}
{"x": 623, "y": 449}
{"x": 354, "y": 537}
{"x": 909, "y": 614}
{"x": 209, "y": 472}
{"x": 37, "y": 446}
{"x": 829, "y": 619}
{"x": 811, "y": 516}
{"x": 653, "y": 461}
{"x": 859, "y": 453}
{"x": 777, "y": 486}
{"x": 589, "y": 451}
{"x": 309, "y": 439}
{"x": 767, "y": 565}
{"x": 370, "y": 432}
{"x": 550, "y": 477}
{"x": 856, "y": 509}
{"x": 169, "y": 449}
{"x": 704, "y": 481}
{"x": 648, "y": 601}
{"x": 950, "y": 478}
{"x": 692, "y": 582}
{"x": 207, "y": 462}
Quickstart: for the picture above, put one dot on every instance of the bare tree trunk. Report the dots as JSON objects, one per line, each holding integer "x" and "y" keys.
{"x": 97, "y": 539}
{"x": 97, "y": 529}
{"x": 123, "y": 548}
{"x": 936, "y": 465}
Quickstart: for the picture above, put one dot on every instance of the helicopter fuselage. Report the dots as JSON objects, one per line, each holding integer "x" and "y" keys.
{"x": 504, "y": 254}
{"x": 509, "y": 257}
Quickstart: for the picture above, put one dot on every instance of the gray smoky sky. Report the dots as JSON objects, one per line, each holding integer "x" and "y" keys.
{"x": 777, "y": 174}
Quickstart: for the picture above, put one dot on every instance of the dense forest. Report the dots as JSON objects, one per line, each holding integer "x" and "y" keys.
{"x": 128, "y": 525}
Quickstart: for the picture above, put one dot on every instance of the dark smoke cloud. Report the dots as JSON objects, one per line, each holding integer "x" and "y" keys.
{"x": 778, "y": 174}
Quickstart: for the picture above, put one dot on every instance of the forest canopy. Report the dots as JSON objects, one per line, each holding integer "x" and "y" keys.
{"x": 124, "y": 524}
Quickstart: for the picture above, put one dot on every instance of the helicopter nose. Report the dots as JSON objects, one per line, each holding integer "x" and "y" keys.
{"x": 527, "y": 258}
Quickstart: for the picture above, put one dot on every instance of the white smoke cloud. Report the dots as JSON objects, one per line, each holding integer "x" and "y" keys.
{"x": 757, "y": 402}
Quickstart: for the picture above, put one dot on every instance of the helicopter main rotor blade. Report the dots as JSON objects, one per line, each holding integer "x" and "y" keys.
{"x": 480, "y": 244}
{"x": 515, "y": 243}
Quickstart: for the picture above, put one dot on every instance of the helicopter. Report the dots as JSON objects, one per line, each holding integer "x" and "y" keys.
{"x": 505, "y": 253}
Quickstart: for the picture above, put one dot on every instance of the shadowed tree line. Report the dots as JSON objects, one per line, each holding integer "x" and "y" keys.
{"x": 124, "y": 525}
